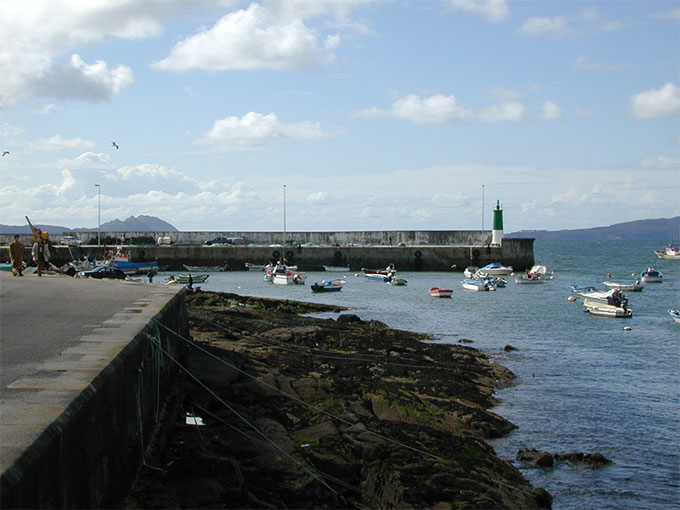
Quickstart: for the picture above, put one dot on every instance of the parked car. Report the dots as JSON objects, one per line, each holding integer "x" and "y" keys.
{"x": 103, "y": 272}
{"x": 71, "y": 241}
{"x": 218, "y": 240}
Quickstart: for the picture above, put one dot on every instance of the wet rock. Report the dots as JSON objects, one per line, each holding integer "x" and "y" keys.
{"x": 538, "y": 457}
{"x": 593, "y": 460}
{"x": 465, "y": 341}
{"x": 509, "y": 347}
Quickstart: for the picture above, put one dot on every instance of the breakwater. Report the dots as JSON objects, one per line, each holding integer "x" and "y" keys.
{"x": 425, "y": 256}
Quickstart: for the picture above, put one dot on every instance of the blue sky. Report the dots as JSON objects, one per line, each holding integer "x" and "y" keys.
{"x": 374, "y": 114}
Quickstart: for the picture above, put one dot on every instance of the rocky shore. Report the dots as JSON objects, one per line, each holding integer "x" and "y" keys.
{"x": 336, "y": 412}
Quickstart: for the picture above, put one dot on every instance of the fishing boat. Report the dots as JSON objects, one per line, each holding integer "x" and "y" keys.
{"x": 123, "y": 261}
{"x": 438, "y": 292}
{"x": 637, "y": 286}
{"x": 336, "y": 269}
{"x": 675, "y": 314}
{"x": 670, "y": 252}
{"x": 496, "y": 268}
{"x": 205, "y": 269}
{"x": 651, "y": 275}
{"x": 478, "y": 285}
{"x": 328, "y": 285}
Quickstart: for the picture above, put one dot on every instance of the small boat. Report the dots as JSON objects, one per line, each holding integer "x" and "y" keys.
{"x": 470, "y": 271}
{"x": 440, "y": 293}
{"x": 254, "y": 267}
{"x": 337, "y": 269}
{"x": 123, "y": 261}
{"x": 183, "y": 279}
{"x": 328, "y": 285}
{"x": 595, "y": 307}
{"x": 537, "y": 274}
{"x": 205, "y": 269}
{"x": 651, "y": 275}
{"x": 580, "y": 289}
{"x": 5, "y": 266}
{"x": 299, "y": 278}
{"x": 598, "y": 295}
{"x": 478, "y": 285}
{"x": 496, "y": 268}
{"x": 398, "y": 281}
{"x": 380, "y": 275}
{"x": 675, "y": 314}
{"x": 637, "y": 286}
{"x": 670, "y": 252}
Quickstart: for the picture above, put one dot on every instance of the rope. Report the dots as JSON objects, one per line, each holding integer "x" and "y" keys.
{"x": 302, "y": 402}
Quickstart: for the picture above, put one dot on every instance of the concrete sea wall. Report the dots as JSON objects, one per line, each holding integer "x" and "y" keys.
{"x": 88, "y": 457}
{"x": 409, "y": 250}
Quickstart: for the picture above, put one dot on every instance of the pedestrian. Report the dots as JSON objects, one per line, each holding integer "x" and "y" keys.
{"x": 191, "y": 283}
{"x": 150, "y": 275}
{"x": 41, "y": 252}
{"x": 16, "y": 256}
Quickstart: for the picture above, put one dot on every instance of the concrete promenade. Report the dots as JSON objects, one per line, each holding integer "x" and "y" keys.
{"x": 56, "y": 335}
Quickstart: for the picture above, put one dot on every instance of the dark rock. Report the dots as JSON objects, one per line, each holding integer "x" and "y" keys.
{"x": 348, "y": 318}
{"x": 509, "y": 347}
{"x": 540, "y": 458}
{"x": 593, "y": 460}
{"x": 465, "y": 341}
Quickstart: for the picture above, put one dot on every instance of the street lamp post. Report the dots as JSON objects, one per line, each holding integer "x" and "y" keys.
{"x": 284, "y": 214}
{"x": 99, "y": 216}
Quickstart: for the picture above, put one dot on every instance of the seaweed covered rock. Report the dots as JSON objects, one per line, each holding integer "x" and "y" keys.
{"x": 304, "y": 412}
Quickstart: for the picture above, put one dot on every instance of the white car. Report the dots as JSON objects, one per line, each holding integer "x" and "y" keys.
{"x": 71, "y": 241}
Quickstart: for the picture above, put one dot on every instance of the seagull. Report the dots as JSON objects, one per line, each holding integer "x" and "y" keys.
{"x": 4, "y": 153}
{"x": 114, "y": 144}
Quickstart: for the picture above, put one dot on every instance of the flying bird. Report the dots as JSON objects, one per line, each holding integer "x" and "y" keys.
{"x": 115, "y": 145}
{"x": 4, "y": 153}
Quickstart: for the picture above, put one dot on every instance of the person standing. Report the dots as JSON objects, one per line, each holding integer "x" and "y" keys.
{"x": 41, "y": 253}
{"x": 16, "y": 256}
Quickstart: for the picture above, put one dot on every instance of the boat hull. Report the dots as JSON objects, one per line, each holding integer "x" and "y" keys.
{"x": 629, "y": 287}
{"x": 440, "y": 293}
{"x": 600, "y": 309}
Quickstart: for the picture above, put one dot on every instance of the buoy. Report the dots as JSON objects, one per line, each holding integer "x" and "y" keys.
{"x": 627, "y": 328}
{"x": 571, "y": 298}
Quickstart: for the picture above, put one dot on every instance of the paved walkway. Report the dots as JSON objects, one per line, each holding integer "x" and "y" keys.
{"x": 56, "y": 334}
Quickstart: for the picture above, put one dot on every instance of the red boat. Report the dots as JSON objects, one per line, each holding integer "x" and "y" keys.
{"x": 439, "y": 292}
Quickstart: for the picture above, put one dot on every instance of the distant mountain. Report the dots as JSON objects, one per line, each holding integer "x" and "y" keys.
{"x": 139, "y": 224}
{"x": 664, "y": 229}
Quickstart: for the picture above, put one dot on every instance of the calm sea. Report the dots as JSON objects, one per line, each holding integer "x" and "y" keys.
{"x": 583, "y": 382}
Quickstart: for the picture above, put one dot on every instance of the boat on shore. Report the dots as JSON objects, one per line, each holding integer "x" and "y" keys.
{"x": 183, "y": 279}
{"x": 670, "y": 252}
{"x": 328, "y": 285}
{"x": 438, "y": 292}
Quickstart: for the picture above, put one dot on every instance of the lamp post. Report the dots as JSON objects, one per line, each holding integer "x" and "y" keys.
{"x": 482, "y": 210}
{"x": 284, "y": 214}
{"x": 99, "y": 216}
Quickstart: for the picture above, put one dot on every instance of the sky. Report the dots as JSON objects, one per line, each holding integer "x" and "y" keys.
{"x": 340, "y": 115}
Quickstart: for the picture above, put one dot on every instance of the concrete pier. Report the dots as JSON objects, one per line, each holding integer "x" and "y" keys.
{"x": 79, "y": 389}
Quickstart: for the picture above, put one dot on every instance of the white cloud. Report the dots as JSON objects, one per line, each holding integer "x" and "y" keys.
{"x": 435, "y": 109}
{"x": 491, "y": 10}
{"x": 505, "y": 112}
{"x": 551, "y": 111}
{"x": 651, "y": 104}
{"x": 661, "y": 162}
{"x": 56, "y": 143}
{"x": 255, "y": 130}
{"x": 537, "y": 25}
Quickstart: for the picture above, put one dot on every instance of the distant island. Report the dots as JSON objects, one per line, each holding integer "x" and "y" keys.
{"x": 665, "y": 229}
{"x": 140, "y": 223}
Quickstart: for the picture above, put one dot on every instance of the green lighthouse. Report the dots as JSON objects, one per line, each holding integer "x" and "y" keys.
{"x": 497, "y": 232}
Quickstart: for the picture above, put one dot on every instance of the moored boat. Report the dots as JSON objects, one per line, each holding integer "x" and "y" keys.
{"x": 637, "y": 286}
{"x": 395, "y": 280}
{"x": 184, "y": 279}
{"x": 580, "y": 289}
{"x": 254, "y": 267}
{"x": 670, "y": 252}
{"x": 537, "y": 274}
{"x": 496, "y": 268}
{"x": 478, "y": 285}
{"x": 601, "y": 309}
{"x": 328, "y": 285}
{"x": 438, "y": 292}
{"x": 651, "y": 275}
{"x": 205, "y": 269}
{"x": 675, "y": 314}
{"x": 123, "y": 261}
{"x": 336, "y": 269}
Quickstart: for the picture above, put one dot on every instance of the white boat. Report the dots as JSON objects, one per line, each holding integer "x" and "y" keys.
{"x": 537, "y": 274}
{"x": 380, "y": 275}
{"x": 336, "y": 269}
{"x": 599, "y": 295}
{"x": 398, "y": 281}
{"x": 470, "y": 271}
{"x": 670, "y": 252}
{"x": 280, "y": 275}
{"x": 675, "y": 314}
{"x": 637, "y": 286}
{"x": 496, "y": 268}
{"x": 328, "y": 285}
{"x": 601, "y": 309}
{"x": 478, "y": 285}
{"x": 580, "y": 289}
{"x": 438, "y": 292}
{"x": 254, "y": 267}
{"x": 205, "y": 269}
{"x": 651, "y": 275}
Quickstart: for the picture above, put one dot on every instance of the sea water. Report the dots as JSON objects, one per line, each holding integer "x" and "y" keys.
{"x": 583, "y": 382}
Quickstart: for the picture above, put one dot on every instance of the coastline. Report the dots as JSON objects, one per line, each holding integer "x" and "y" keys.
{"x": 305, "y": 412}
